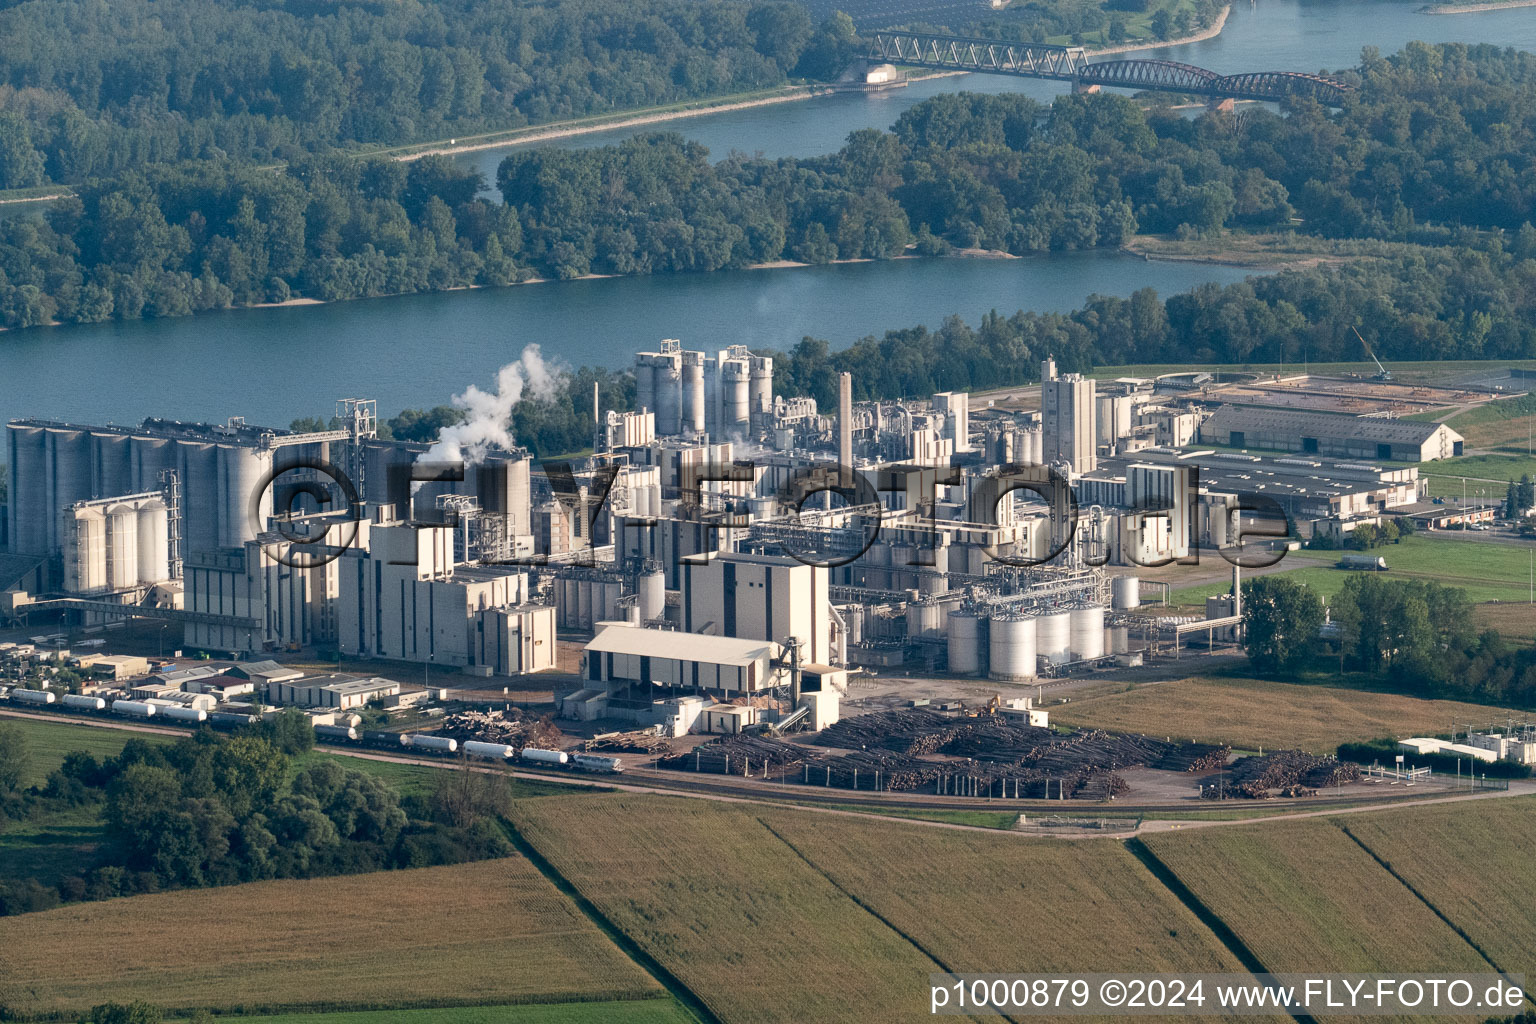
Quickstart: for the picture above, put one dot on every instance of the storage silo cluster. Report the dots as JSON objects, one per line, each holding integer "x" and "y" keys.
{"x": 116, "y": 544}
{"x": 692, "y": 393}
{"x": 1019, "y": 642}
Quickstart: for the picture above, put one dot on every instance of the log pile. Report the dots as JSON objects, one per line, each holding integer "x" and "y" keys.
{"x": 1292, "y": 772}
{"x": 867, "y": 769}
{"x": 1194, "y": 757}
{"x": 752, "y": 756}
{"x": 514, "y": 727}
{"x": 914, "y": 731}
{"x": 638, "y": 742}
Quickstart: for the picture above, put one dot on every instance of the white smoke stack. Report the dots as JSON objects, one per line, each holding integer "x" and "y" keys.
{"x": 488, "y": 416}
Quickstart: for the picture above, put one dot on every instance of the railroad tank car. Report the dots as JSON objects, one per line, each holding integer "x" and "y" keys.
{"x": 336, "y": 732}
{"x": 597, "y": 763}
{"x": 537, "y": 756}
{"x": 381, "y": 738}
{"x": 230, "y": 719}
{"x": 181, "y": 714}
{"x": 496, "y": 751}
{"x": 84, "y": 703}
{"x": 133, "y": 708}
{"x": 33, "y": 696}
{"x": 441, "y": 744}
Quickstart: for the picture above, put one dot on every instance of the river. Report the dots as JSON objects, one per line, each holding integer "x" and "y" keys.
{"x": 271, "y": 365}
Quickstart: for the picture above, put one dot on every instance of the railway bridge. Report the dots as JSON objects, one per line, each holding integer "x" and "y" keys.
{"x": 1071, "y": 64}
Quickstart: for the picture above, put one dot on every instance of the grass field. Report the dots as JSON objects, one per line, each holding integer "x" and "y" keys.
{"x": 631, "y": 1011}
{"x": 1486, "y": 570}
{"x": 1250, "y": 713}
{"x": 1473, "y": 863}
{"x": 1505, "y": 422}
{"x": 1445, "y": 475}
{"x": 1303, "y": 896}
{"x": 48, "y": 742}
{"x": 965, "y": 896}
{"x": 489, "y": 933}
{"x": 709, "y": 892}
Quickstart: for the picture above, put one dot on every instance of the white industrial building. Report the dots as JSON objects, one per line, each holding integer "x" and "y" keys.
{"x": 1068, "y": 417}
{"x": 1337, "y": 435}
{"x": 759, "y": 597}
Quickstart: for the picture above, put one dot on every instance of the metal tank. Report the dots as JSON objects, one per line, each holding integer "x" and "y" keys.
{"x": 1030, "y": 448}
{"x": 30, "y": 521}
{"x": 439, "y": 743}
{"x": 651, "y": 588}
{"x": 113, "y": 470}
{"x": 85, "y": 566}
{"x": 133, "y": 708}
{"x": 1053, "y": 637}
{"x": 669, "y": 395}
{"x": 27, "y": 696}
{"x": 760, "y": 391}
{"x": 122, "y": 547}
{"x": 153, "y": 528}
{"x": 183, "y": 714}
{"x": 198, "y": 466}
{"x": 498, "y": 751}
{"x": 924, "y": 619}
{"x": 735, "y": 402}
{"x": 693, "y": 397}
{"x": 544, "y": 756}
{"x": 1088, "y": 633}
{"x": 967, "y": 632}
{"x": 81, "y": 701}
{"x": 645, "y": 384}
{"x": 240, "y": 475}
{"x": 1125, "y": 592}
{"x": 1012, "y": 648}
{"x": 68, "y": 477}
{"x": 148, "y": 457}
{"x": 1119, "y": 639}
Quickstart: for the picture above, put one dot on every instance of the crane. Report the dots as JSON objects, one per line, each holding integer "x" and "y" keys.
{"x": 1382, "y": 373}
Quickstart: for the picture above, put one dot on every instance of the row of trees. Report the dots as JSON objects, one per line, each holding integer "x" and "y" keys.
{"x": 1411, "y": 636}
{"x": 88, "y": 90}
{"x": 216, "y": 810}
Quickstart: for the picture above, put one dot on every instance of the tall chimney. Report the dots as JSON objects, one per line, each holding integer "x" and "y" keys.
{"x": 845, "y": 420}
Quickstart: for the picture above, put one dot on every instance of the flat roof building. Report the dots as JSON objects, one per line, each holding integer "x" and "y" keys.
{"x": 1332, "y": 434}
{"x": 661, "y": 657}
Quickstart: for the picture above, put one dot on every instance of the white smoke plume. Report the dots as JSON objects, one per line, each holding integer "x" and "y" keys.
{"x": 488, "y": 419}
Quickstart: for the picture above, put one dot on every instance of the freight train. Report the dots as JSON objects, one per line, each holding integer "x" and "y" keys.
{"x": 342, "y": 735}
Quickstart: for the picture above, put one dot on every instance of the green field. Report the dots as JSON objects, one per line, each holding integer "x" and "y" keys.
{"x": 1303, "y": 896}
{"x": 487, "y": 933}
{"x": 1486, "y": 570}
{"x": 964, "y": 897}
{"x": 1252, "y": 713}
{"x": 755, "y": 932}
{"x": 631, "y": 1011}
{"x": 48, "y": 742}
{"x": 1432, "y": 848}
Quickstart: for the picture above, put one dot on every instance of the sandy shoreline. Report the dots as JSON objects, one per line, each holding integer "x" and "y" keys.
{"x": 1210, "y": 32}
{"x": 1475, "y": 8}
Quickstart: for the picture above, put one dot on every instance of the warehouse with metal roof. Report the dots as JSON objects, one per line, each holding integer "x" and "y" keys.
{"x": 1335, "y": 435}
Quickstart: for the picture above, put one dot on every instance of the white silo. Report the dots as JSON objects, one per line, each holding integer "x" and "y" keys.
{"x": 1053, "y": 635}
{"x": 693, "y": 415}
{"x": 241, "y": 471}
{"x": 924, "y": 619}
{"x": 1119, "y": 639}
{"x": 153, "y": 542}
{"x": 1013, "y": 647}
{"x": 651, "y": 588}
{"x": 1125, "y": 592}
{"x": 966, "y": 635}
{"x": 85, "y": 551}
{"x": 735, "y": 403}
{"x": 1030, "y": 448}
{"x": 122, "y": 547}
{"x": 669, "y": 394}
{"x": 760, "y": 395}
{"x": 1088, "y": 633}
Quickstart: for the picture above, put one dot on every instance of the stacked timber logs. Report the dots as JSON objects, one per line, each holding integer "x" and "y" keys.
{"x": 915, "y": 731}
{"x": 637, "y": 742}
{"x": 1292, "y": 772}
{"x": 1194, "y": 757}
{"x": 749, "y": 756}
{"x": 514, "y": 727}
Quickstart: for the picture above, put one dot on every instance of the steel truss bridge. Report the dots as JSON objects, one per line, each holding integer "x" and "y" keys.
{"x": 1071, "y": 64}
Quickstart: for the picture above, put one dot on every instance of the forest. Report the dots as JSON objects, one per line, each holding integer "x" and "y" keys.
{"x": 211, "y": 809}
{"x": 89, "y": 90}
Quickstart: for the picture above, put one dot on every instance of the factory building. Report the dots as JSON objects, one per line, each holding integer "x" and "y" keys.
{"x": 657, "y": 657}
{"x": 729, "y": 394}
{"x": 1067, "y": 410}
{"x": 759, "y": 597}
{"x": 404, "y": 598}
{"x": 331, "y": 691}
{"x": 1334, "y": 435}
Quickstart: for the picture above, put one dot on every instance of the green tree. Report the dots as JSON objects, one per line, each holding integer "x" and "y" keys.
{"x": 1281, "y": 619}
{"x": 14, "y": 759}
{"x": 125, "y": 1013}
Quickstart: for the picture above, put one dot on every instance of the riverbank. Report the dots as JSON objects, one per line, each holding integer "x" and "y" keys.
{"x": 1491, "y": 5}
{"x": 1270, "y": 253}
{"x": 1209, "y": 32}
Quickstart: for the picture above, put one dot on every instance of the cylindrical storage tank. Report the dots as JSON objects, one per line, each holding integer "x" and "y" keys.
{"x": 1053, "y": 637}
{"x": 1088, "y": 633}
{"x": 69, "y": 476}
{"x": 442, "y": 743}
{"x": 669, "y": 396}
{"x": 153, "y": 527}
{"x": 240, "y": 472}
{"x": 181, "y": 714}
{"x": 201, "y": 495}
{"x": 735, "y": 401}
{"x": 1119, "y": 639}
{"x": 1012, "y": 648}
{"x": 148, "y": 457}
{"x": 498, "y": 751}
{"x": 133, "y": 708}
{"x": 645, "y": 385}
{"x": 1030, "y": 448}
{"x": 122, "y": 547}
{"x": 965, "y": 639}
{"x": 651, "y": 588}
{"x": 114, "y": 466}
{"x": 86, "y": 561}
{"x": 544, "y": 756}
{"x": 29, "y": 511}
{"x": 693, "y": 392}
{"x": 335, "y": 732}
{"x": 33, "y": 696}
{"x": 760, "y": 393}
{"x": 1125, "y": 592}
{"x": 932, "y": 584}
{"x": 80, "y": 700}
{"x": 924, "y": 619}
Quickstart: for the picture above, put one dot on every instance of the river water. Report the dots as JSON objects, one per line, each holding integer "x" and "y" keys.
{"x": 271, "y": 365}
